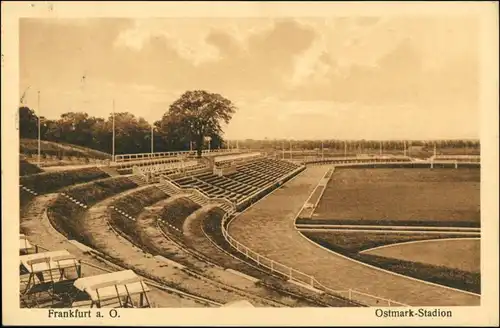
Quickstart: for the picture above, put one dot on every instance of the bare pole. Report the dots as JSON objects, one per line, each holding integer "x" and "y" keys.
{"x": 404, "y": 143}
{"x": 322, "y": 152}
{"x": 290, "y": 149}
{"x": 282, "y": 149}
{"x": 113, "y": 150}
{"x": 152, "y": 136}
{"x": 345, "y": 149}
{"x": 39, "y": 135}
{"x": 380, "y": 148}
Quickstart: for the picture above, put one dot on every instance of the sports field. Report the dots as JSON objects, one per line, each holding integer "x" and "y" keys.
{"x": 268, "y": 228}
{"x": 461, "y": 254}
{"x": 402, "y": 196}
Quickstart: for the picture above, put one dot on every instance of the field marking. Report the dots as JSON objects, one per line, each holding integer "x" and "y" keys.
{"x": 324, "y": 187}
{"x": 374, "y": 267}
{"x": 391, "y": 231}
{"x": 387, "y": 271}
{"x": 354, "y": 226}
{"x": 418, "y": 241}
{"x": 303, "y": 205}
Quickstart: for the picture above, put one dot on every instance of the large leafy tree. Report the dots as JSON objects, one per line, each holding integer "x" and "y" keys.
{"x": 196, "y": 115}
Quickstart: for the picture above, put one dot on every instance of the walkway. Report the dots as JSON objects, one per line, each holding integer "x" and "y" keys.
{"x": 268, "y": 228}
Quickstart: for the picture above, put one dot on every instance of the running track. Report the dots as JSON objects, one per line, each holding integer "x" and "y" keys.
{"x": 268, "y": 228}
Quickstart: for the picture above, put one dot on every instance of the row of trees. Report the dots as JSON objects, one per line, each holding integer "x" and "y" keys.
{"x": 194, "y": 120}
{"x": 357, "y": 144}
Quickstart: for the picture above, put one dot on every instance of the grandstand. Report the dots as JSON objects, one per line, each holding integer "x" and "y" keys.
{"x": 175, "y": 208}
{"x": 247, "y": 180}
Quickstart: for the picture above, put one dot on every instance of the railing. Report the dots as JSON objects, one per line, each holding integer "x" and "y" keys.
{"x": 200, "y": 193}
{"x": 131, "y": 157}
{"x": 301, "y": 277}
{"x": 369, "y": 160}
{"x": 243, "y": 156}
{"x": 458, "y": 158}
{"x": 137, "y": 171}
{"x": 169, "y": 166}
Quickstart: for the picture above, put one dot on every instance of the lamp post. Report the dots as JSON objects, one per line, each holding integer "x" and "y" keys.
{"x": 39, "y": 135}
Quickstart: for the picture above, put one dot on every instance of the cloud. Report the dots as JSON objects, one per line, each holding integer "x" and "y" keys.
{"x": 330, "y": 75}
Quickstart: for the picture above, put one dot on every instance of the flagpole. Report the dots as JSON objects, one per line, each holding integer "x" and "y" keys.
{"x": 322, "y": 153}
{"x": 345, "y": 149}
{"x": 113, "y": 152}
{"x": 39, "y": 136}
{"x": 290, "y": 149}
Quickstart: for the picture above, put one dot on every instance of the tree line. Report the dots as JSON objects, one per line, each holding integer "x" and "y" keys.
{"x": 192, "y": 122}
{"x": 279, "y": 144}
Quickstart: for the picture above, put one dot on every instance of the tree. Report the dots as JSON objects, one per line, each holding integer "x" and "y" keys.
{"x": 197, "y": 114}
{"x": 28, "y": 123}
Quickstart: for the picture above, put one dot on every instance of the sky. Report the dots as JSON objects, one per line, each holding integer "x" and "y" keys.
{"x": 395, "y": 77}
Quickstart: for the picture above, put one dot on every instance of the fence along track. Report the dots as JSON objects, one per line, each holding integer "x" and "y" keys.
{"x": 272, "y": 274}
{"x": 300, "y": 276}
{"x": 203, "y": 258}
{"x": 350, "y": 294}
{"x": 297, "y": 275}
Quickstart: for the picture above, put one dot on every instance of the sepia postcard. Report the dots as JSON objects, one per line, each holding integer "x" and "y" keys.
{"x": 250, "y": 163}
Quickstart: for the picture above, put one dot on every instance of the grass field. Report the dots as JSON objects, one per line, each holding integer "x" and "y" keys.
{"x": 353, "y": 242}
{"x": 386, "y": 196}
{"x": 30, "y": 147}
{"x": 461, "y": 254}
{"x": 449, "y": 266}
{"x": 51, "y": 181}
{"x": 268, "y": 228}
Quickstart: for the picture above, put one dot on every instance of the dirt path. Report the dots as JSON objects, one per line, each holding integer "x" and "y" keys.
{"x": 36, "y": 225}
{"x": 268, "y": 228}
{"x": 122, "y": 250}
